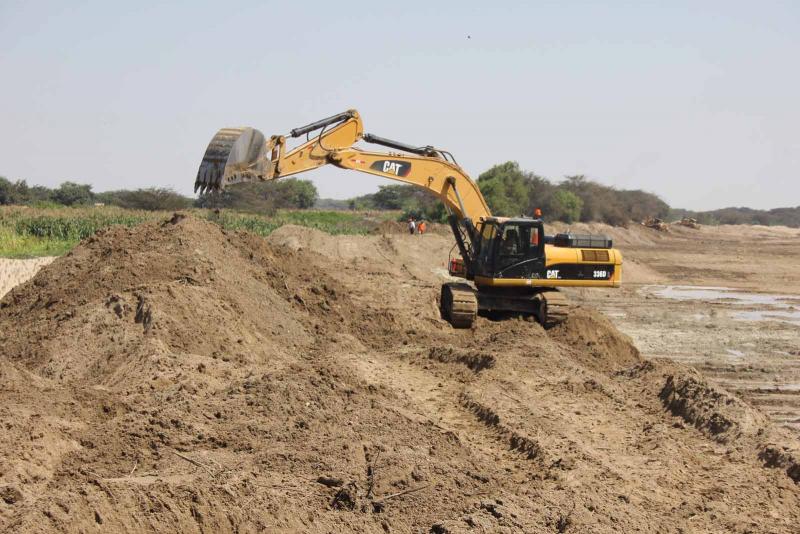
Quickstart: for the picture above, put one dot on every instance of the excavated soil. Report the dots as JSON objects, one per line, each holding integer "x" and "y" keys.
{"x": 14, "y": 272}
{"x": 175, "y": 377}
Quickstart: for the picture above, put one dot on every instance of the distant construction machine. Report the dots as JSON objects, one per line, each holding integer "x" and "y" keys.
{"x": 511, "y": 265}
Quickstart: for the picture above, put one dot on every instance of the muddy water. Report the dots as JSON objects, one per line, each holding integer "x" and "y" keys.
{"x": 777, "y": 307}
{"x": 769, "y": 315}
{"x": 748, "y": 342}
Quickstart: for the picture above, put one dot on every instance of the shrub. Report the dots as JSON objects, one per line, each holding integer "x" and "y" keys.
{"x": 71, "y": 194}
{"x": 566, "y": 206}
{"x": 264, "y": 197}
{"x": 150, "y": 199}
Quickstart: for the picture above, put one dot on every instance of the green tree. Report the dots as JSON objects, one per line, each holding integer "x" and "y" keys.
{"x": 566, "y": 206}
{"x": 265, "y": 197}
{"x": 37, "y": 194}
{"x": 511, "y": 191}
{"x": 391, "y": 197}
{"x": 506, "y": 189}
{"x": 14, "y": 192}
{"x": 540, "y": 194}
{"x": 72, "y": 194}
{"x": 294, "y": 193}
{"x": 145, "y": 199}
{"x": 7, "y": 191}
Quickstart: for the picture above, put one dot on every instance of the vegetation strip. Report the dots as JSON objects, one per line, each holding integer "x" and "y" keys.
{"x": 31, "y": 232}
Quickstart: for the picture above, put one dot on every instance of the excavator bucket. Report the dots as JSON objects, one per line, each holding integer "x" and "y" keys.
{"x": 234, "y": 155}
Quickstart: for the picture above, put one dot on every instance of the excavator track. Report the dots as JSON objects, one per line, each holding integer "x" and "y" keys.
{"x": 459, "y": 304}
{"x": 548, "y": 306}
{"x": 556, "y": 309}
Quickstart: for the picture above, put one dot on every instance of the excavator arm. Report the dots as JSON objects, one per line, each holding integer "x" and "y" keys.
{"x": 237, "y": 155}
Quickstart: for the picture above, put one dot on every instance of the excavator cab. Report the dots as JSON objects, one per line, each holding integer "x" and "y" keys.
{"x": 510, "y": 248}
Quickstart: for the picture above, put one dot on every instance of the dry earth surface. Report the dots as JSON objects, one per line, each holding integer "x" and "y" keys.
{"x": 747, "y": 340}
{"x": 14, "y": 272}
{"x": 177, "y": 377}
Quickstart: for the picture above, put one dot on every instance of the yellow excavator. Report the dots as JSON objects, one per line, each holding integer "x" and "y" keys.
{"x": 511, "y": 264}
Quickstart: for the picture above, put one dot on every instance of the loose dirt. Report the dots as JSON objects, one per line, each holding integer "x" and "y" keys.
{"x": 177, "y": 377}
{"x": 15, "y": 272}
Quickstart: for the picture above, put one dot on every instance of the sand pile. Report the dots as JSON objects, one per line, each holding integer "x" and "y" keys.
{"x": 15, "y": 272}
{"x": 176, "y": 377}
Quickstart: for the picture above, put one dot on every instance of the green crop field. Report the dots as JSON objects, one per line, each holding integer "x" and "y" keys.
{"x": 30, "y": 232}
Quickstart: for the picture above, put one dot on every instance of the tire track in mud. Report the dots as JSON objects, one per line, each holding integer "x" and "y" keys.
{"x": 530, "y": 448}
{"x": 442, "y": 386}
{"x": 477, "y": 361}
{"x": 439, "y": 395}
{"x": 457, "y": 398}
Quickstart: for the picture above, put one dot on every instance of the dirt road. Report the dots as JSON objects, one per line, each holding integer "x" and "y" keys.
{"x": 175, "y": 377}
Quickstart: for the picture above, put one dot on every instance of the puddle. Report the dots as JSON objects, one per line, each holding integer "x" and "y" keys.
{"x": 769, "y": 315}
{"x": 735, "y": 353}
{"x": 783, "y": 307}
{"x": 724, "y": 294}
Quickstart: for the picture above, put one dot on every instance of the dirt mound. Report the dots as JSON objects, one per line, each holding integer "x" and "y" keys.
{"x": 716, "y": 412}
{"x": 15, "y": 272}
{"x": 389, "y": 227}
{"x": 177, "y": 377}
{"x": 598, "y": 344}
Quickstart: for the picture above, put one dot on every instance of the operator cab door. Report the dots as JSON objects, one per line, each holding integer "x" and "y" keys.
{"x": 485, "y": 250}
{"x": 518, "y": 250}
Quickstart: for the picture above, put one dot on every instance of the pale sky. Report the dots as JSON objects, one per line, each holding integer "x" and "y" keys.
{"x": 698, "y": 102}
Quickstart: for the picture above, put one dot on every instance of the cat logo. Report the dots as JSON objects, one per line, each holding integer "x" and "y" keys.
{"x": 552, "y": 274}
{"x": 387, "y": 166}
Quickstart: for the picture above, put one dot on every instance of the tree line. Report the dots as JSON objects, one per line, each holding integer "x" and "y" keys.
{"x": 509, "y": 190}
{"x": 774, "y": 217}
{"x": 262, "y": 198}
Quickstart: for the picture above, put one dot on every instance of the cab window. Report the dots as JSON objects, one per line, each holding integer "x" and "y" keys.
{"x": 487, "y": 234}
{"x": 517, "y": 243}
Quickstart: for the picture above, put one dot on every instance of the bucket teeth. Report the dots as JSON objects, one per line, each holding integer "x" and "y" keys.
{"x": 233, "y": 155}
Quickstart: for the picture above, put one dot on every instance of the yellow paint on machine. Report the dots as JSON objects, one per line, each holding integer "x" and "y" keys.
{"x": 563, "y": 256}
{"x": 483, "y": 281}
{"x": 560, "y": 255}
